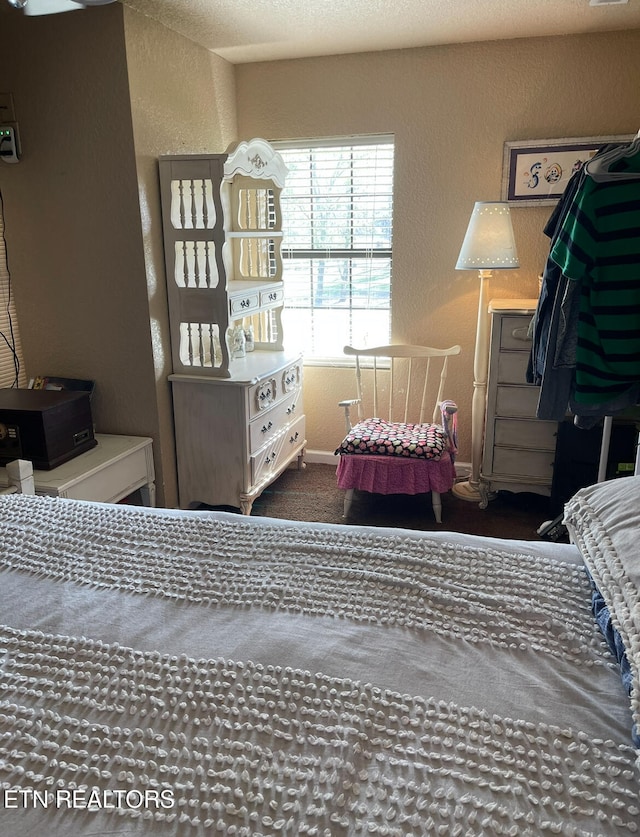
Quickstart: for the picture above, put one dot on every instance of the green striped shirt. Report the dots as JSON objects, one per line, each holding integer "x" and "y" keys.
{"x": 599, "y": 246}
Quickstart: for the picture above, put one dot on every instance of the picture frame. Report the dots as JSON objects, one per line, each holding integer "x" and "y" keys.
{"x": 536, "y": 172}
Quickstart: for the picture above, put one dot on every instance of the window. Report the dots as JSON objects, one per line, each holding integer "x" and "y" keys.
{"x": 337, "y": 208}
{"x": 10, "y": 350}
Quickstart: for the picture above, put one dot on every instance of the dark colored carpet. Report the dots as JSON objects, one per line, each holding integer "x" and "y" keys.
{"x": 312, "y": 495}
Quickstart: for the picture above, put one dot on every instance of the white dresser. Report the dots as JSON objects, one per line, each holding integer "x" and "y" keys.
{"x": 234, "y": 436}
{"x": 239, "y": 420}
{"x": 519, "y": 449}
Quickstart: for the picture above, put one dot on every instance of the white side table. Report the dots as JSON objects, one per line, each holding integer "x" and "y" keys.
{"x": 114, "y": 469}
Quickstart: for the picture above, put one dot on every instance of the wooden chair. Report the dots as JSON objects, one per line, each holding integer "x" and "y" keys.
{"x": 396, "y": 451}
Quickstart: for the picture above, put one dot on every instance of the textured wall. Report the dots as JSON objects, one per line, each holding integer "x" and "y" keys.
{"x": 451, "y": 110}
{"x": 82, "y": 208}
{"x": 72, "y": 212}
{"x": 182, "y": 101}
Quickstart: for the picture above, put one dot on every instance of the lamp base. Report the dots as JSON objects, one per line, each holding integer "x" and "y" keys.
{"x": 466, "y": 491}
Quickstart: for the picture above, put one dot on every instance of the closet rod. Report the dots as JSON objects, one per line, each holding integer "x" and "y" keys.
{"x": 604, "y": 448}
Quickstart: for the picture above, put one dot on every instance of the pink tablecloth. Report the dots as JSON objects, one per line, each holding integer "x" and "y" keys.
{"x": 395, "y": 475}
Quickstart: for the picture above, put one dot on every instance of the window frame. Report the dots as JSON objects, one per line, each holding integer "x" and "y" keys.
{"x": 357, "y": 252}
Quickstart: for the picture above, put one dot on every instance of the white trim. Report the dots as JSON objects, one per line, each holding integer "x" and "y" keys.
{"x": 321, "y": 457}
{"x": 347, "y": 363}
{"x": 463, "y": 469}
{"x": 328, "y": 142}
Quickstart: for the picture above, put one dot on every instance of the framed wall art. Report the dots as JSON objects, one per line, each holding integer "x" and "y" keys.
{"x": 537, "y": 171}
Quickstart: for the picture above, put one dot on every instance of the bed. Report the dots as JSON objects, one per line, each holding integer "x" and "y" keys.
{"x": 189, "y": 673}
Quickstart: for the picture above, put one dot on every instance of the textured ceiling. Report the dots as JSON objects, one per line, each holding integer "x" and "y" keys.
{"x": 263, "y": 30}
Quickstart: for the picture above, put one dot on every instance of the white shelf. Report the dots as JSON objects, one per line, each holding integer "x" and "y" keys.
{"x": 254, "y": 233}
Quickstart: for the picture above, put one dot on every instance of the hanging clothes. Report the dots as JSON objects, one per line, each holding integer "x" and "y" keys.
{"x": 597, "y": 252}
{"x": 599, "y": 247}
{"x": 552, "y": 360}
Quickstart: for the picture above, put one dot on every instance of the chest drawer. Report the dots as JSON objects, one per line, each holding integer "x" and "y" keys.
{"x": 270, "y": 391}
{"x": 512, "y": 368}
{"x": 269, "y": 423}
{"x": 516, "y": 401}
{"x": 271, "y": 296}
{"x": 523, "y": 463}
{"x": 525, "y": 433}
{"x": 244, "y": 303}
{"x": 278, "y": 450}
{"x": 513, "y": 332}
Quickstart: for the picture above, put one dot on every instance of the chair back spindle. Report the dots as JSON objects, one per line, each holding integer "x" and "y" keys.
{"x": 400, "y": 376}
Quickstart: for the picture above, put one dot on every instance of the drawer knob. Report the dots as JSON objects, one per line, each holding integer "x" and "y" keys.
{"x": 294, "y": 438}
{"x": 267, "y": 427}
{"x": 291, "y": 409}
{"x": 521, "y": 333}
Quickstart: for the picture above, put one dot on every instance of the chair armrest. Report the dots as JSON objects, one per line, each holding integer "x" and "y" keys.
{"x": 450, "y": 424}
{"x": 349, "y": 402}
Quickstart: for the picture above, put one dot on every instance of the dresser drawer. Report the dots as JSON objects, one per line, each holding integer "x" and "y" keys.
{"x": 291, "y": 378}
{"x": 278, "y": 451}
{"x": 271, "y": 296}
{"x": 512, "y": 368}
{"x": 517, "y": 401}
{"x": 270, "y": 391}
{"x": 262, "y": 396}
{"x": 513, "y": 332}
{"x": 269, "y": 424}
{"x": 526, "y": 433}
{"x": 523, "y": 463}
{"x": 242, "y": 304}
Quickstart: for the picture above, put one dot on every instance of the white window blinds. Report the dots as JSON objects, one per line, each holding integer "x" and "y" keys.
{"x": 337, "y": 208}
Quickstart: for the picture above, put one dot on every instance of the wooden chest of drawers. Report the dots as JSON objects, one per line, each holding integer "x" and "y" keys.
{"x": 519, "y": 449}
{"x": 235, "y": 435}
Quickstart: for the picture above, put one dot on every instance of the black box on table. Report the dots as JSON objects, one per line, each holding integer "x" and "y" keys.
{"x": 46, "y": 427}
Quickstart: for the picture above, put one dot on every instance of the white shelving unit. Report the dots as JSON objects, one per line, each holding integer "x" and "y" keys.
{"x": 239, "y": 421}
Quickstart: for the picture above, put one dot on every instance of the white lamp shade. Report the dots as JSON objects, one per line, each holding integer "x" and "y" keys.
{"x": 53, "y": 7}
{"x": 50, "y": 7}
{"x": 489, "y": 243}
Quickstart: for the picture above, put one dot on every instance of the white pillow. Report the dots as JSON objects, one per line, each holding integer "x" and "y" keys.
{"x": 604, "y": 522}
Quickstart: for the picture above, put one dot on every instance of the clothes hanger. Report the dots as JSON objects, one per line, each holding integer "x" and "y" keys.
{"x": 599, "y": 168}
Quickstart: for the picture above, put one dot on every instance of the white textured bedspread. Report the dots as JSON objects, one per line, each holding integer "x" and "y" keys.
{"x": 202, "y": 673}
